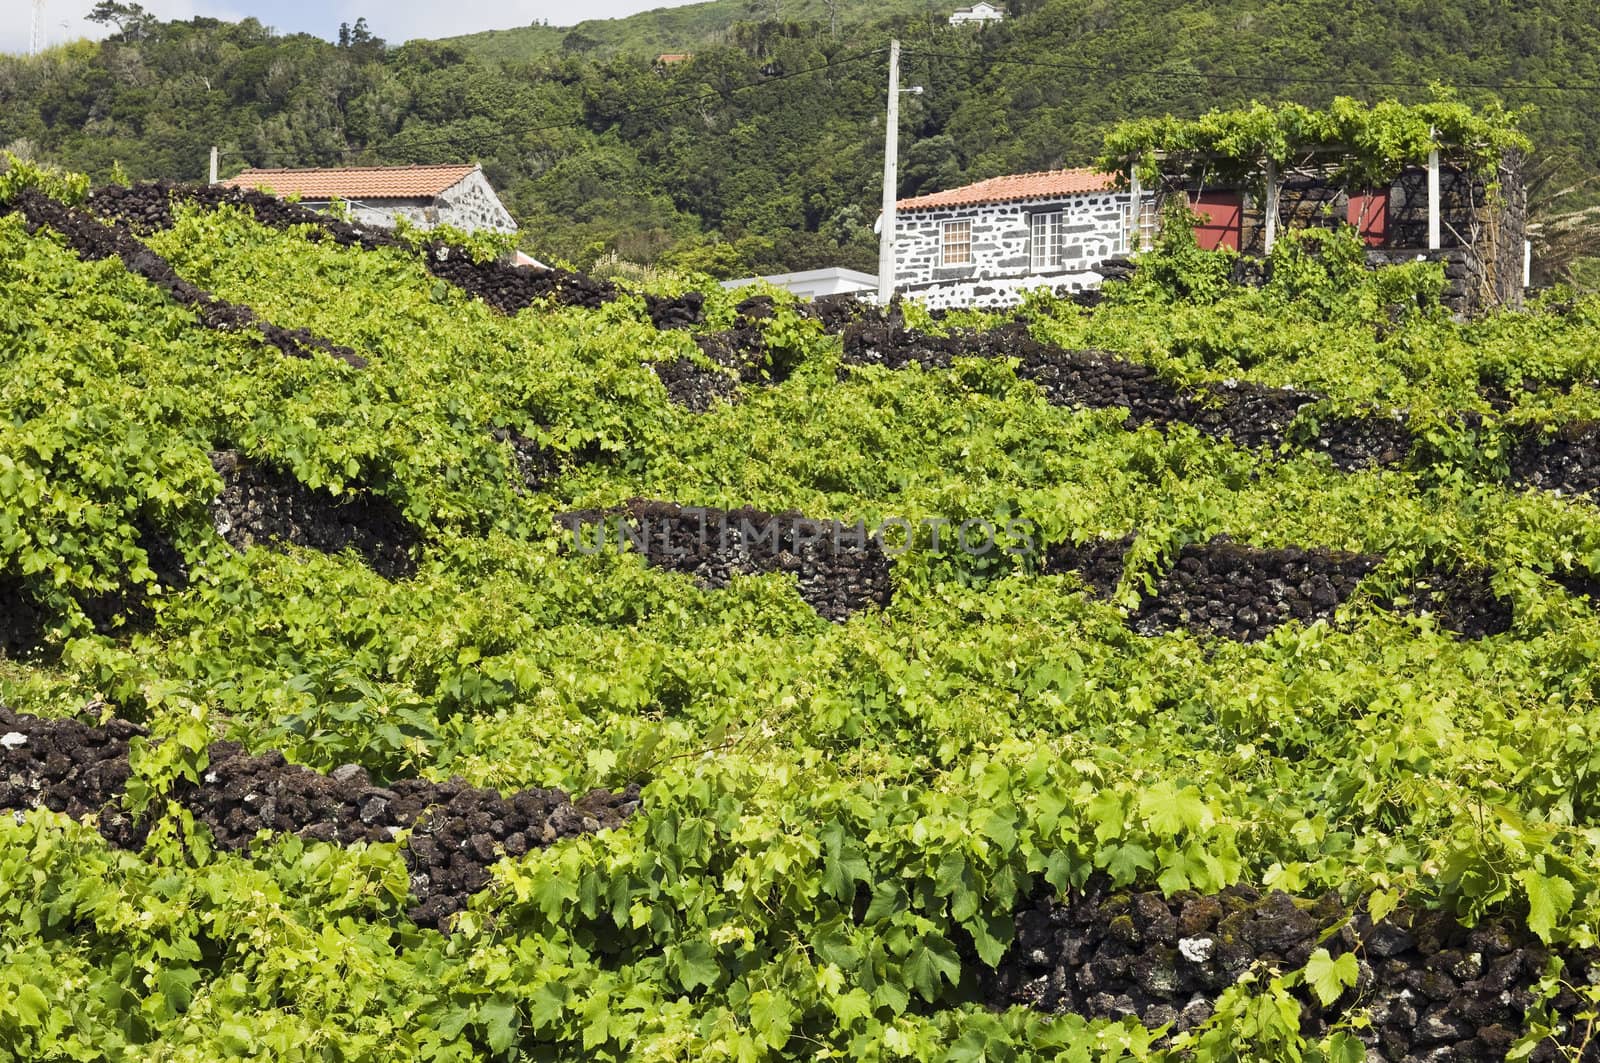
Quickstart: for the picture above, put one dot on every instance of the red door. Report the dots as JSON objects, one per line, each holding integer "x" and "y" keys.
{"x": 1370, "y": 215}
{"x": 1222, "y": 219}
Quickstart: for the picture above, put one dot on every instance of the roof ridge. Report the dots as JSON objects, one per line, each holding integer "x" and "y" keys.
{"x": 410, "y": 181}
{"x": 332, "y": 169}
{"x": 1013, "y": 187}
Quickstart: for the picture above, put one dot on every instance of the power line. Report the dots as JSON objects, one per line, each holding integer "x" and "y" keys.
{"x": 704, "y": 97}
{"x": 1106, "y": 69}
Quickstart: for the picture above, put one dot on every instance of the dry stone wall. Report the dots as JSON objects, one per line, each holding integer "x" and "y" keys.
{"x": 457, "y": 831}
{"x": 839, "y": 569}
{"x": 1432, "y": 988}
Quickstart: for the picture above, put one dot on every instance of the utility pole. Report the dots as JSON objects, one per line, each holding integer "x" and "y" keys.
{"x": 36, "y": 36}
{"x": 213, "y": 164}
{"x": 891, "y": 149}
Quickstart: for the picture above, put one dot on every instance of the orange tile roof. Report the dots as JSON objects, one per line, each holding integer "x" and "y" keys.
{"x": 1046, "y": 185}
{"x": 356, "y": 182}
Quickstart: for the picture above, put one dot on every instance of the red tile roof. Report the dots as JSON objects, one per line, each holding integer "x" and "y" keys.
{"x": 356, "y": 182}
{"x": 1009, "y": 189}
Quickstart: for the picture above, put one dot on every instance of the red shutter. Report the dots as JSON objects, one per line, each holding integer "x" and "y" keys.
{"x": 1223, "y": 214}
{"x": 1370, "y": 215}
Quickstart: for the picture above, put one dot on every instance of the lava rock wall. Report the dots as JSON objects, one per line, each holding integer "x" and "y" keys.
{"x": 21, "y": 619}
{"x": 1228, "y": 590}
{"x": 457, "y": 831}
{"x": 1246, "y": 414}
{"x": 1434, "y": 989}
{"x": 1243, "y": 593}
{"x": 1566, "y": 461}
{"x": 259, "y": 505}
{"x": 93, "y": 240}
{"x": 840, "y": 570}
{"x": 505, "y": 287}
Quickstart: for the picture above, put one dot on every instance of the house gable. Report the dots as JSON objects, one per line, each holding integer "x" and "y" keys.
{"x": 425, "y": 196}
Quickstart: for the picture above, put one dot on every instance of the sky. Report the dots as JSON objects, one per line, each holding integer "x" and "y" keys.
{"x": 393, "y": 20}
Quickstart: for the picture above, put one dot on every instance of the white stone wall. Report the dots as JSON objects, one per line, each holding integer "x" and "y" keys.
{"x": 471, "y": 204}
{"x": 996, "y": 293}
{"x": 1002, "y": 262}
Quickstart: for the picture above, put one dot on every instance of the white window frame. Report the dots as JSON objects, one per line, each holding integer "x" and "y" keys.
{"x": 1047, "y": 239}
{"x": 1145, "y": 223}
{"x": 955, "y": 239}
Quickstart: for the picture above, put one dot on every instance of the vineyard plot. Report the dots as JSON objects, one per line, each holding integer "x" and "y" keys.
{"x": 1258, "y": 725}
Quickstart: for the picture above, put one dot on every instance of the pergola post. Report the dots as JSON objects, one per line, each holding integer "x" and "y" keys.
{"x": 1135, "y": 213}
{"x": 1271, "y": 205}
{"x": 1433, "y": 200}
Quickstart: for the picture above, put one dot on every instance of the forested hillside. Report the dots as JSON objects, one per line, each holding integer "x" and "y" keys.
{"x": 690, "y": 27}
{"x": 762, "y": 152}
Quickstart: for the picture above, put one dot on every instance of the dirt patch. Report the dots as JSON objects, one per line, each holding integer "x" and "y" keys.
{"x": 839, "y": 569}
{"x": 260, "y": 505}
{"x": 1433, "y": 988}
{"x": 458, "y": 831}
{"x": 94, "y": 240}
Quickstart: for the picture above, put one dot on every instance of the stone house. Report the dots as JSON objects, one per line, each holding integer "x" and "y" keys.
{"x": 985, "y": 244}
{"x": 425, "y": 196}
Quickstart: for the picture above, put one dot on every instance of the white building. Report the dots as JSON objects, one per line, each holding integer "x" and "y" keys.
{"x": 980, "y": 12}
{"x": 985, "y": 244}
{"x": 835, "y": 280}
{"x": 426, "y": 196}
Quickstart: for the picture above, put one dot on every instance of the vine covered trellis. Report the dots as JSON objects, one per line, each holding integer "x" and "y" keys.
{"x": 1354, "y": 152}
{"x": 1361, "y": 144}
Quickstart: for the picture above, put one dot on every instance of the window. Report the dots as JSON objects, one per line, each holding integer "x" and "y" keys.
{"x": 1048, "y": 238}
{"x": 1142, "y": 222}
{"x": 956, "y": 247}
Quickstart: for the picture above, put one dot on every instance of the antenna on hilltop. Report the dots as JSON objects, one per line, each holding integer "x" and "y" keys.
{"x": 36, "y": 38}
